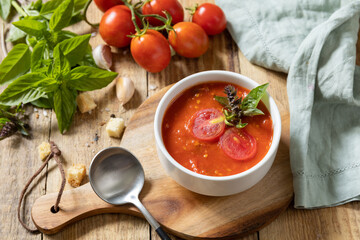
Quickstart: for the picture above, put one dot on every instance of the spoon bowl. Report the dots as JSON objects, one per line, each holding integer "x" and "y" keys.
{"x": 117, "y": 177}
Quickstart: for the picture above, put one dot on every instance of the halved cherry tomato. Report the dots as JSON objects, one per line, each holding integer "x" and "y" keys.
{"x": 173, "y": 7}
{"x": 211, "y": 18}
{"x": 116, "y": 25}
{"x": 104, "y": 5}
{"x": 207, "y": 124}
{"x": 151, "y": 51}
{"x": 238, "y": 144}
{"x": 190, "y": 39}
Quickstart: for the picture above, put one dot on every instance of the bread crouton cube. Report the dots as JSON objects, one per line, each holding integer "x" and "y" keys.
{"x": 115, "y": 127}
{"x": 44, "y": 150}
{"x": 85, "y": 102}
{"x": 76, "y": 174}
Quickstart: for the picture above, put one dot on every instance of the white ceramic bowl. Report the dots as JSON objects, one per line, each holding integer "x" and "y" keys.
{"x": 213, "y": 185}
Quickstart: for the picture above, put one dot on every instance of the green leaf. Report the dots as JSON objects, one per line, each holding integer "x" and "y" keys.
{"x": 37, "y": 56}
{"x": 64, "y": 106}
{"x": 79, "y": 5}
{"x": 75, "y": 48}
{"x": 88, "y": 59}
{"x": 36, "y": 5}
{"x": 47, "y": 85}
{"x": 61, "y": 66}
{"x": 15, "y": 64}
{"x": 96, "y": 78}
{"x": 23, "y": 90}
{"x": 60, "y": 36}
{"x": 62, "y": 15}
{"x": 241, "y": 125}
{"x": 252, "y": 112}
{"x": 222, "y": 100}
{"x": 15, "y": 34}
{"x": 3, "y": 121}
{"x": 253, "y": 98}
{"x": 31, "y": 27}
{"x": 49, "y": 8}
{"x": 5, "y": 7}
{"x": 43, "y": 102}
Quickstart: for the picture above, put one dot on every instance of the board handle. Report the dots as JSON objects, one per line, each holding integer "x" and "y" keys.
{"x": 75, "y": 205}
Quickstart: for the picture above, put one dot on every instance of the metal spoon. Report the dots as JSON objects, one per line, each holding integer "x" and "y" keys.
{"x": 117, "y": 177}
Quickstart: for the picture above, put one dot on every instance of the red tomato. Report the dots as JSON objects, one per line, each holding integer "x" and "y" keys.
{"x": 211, "y": 18}
{"x": 208, "y": 124}
{"x": 190, "y": 39}
{"x": 115, "y": 25}
{"x": 173, "y": 7}
{"x": 151, "y": 51}
{"x": 104, "y": 5}
{"x": 238, "y": 144}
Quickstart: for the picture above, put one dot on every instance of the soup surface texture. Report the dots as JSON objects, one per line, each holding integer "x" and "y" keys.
{"x": 207, "y": 157}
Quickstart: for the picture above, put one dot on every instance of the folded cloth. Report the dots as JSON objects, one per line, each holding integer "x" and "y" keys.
{"x": 316, "y": 44}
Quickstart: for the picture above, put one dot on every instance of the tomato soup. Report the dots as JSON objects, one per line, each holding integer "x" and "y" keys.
{"x": 206, "y": 155}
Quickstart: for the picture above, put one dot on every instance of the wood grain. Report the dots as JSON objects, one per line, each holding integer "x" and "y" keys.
{"x": 19, "y": 160}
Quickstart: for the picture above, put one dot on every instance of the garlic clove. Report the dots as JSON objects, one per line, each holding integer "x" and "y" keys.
{"x": 124, "y": 89}
{"x": 102, "y": 56}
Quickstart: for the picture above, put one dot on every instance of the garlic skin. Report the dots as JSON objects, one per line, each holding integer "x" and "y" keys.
{"x": 124, "y": 89}
{"x": 102, "y": 56}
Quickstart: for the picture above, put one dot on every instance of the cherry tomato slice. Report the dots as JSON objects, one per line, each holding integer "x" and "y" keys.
{"x": 238, "y": 144}
{"x": 210, "y": 17}
{"x": 208, "y": 124}
{"x": 104, "y": 5}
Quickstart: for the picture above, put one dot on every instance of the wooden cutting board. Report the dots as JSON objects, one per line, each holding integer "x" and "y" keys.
{"x": 183, "y": 213}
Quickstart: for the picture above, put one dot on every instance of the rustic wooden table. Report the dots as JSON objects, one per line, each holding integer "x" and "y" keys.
{"x": 19, "y": 158}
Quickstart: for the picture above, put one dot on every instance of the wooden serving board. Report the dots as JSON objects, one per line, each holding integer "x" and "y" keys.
{"x": 183, "y": 213}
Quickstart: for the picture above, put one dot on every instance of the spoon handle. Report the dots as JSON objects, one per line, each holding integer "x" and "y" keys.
{"x": 162, "y": 234}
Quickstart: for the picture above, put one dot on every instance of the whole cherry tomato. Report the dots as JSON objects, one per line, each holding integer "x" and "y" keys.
{"x": 173, "y": 7}
{"x": 115, "y": 25}
{"x": 190, "y": 40}
{"x": 151, "y": 51}
{"x": 104, "y": 5}
{"x": 210, "y": 17}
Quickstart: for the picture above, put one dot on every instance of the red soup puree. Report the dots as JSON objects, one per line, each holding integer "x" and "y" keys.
{"x": 219, "y": 150}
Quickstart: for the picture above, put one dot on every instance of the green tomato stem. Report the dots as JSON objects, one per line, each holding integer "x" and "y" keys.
{"x": 19, "y": 9}
{"x": 96, "y": 25}
{"x": 133, "y": 15}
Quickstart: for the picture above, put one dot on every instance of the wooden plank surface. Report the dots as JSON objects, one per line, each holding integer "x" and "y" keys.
{"x": 19, "y": 159}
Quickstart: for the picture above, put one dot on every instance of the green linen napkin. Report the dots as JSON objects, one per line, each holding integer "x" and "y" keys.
{"x": 316, "y": 43}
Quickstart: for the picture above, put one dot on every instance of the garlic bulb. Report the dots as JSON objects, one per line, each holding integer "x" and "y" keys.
{"x": 124, "y": 89}
{"x": 102, "y": 56}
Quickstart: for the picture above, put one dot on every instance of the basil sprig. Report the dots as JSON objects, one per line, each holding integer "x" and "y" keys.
{"x": 54, "y": 65}
{"x": 235, "y": 108}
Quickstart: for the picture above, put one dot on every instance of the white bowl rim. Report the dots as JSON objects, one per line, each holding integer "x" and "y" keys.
{"x": 160, "y": 143}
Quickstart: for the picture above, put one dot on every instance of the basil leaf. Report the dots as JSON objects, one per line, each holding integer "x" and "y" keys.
{"x": 15, "y": 64}
{"x": 75, "y": 48}
{"x": 5, "y": 7}
{"x": 3, "y": 121}
{"x": 49, "y": 8}
{"x": 79, "y": 5}
{"x": 222, "y": 100}
{"x": 47, "y": 85}
{"x": 37, "y": 56}
{"x": 23, "y": 90}
{"x": 88, "y": 59}
{"x": 252, "y": 112}
{"x": 96, "y": 79}
{"x": 241, "y": 125}
{"x": 60, "y": 36}
{"x": 62, "y": 15}
{"x": 15, "y": 34}
{"x": 64, "y": 106}
{"x": 36, "y": 5}
{"x": 61, "y": 66}
{"x": 31, "y": 27}
{"x": 253, "y": 98}
{"x": 43, "y": 102}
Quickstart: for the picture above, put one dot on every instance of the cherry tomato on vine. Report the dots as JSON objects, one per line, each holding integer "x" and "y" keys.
{"x": 210, "y": 17}
{"x": 173, "y": 7}
{"x": 104, "y": 5}
{"x": 115, "y": 25}
{"x": 151, "y": 51}
{"x": 190, "y": 40}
